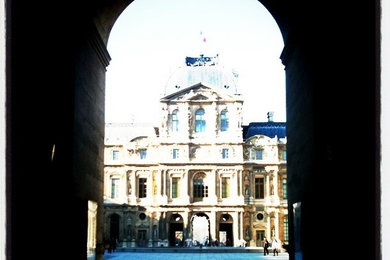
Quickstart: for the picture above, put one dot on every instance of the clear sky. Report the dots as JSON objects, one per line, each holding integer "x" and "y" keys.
{"x": 151, "y": 39}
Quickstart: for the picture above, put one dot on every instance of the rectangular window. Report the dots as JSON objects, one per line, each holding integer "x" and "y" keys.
{"x": 284, "y": 155}
{"x": 115, "y": 155}
{"x": 259, "y": 154}
{"x": 175, "y": 153}
{"x": 225, "y": 153}
{"x": 225, "y": 187}
{"x": 259, "y": 188}
{"x": 175, "y": 187}
{"x": 142, "y": 154}
{"x": 114, "y": 188}
{"x": 142, "y": 187}
{"x": 284, "y": 186}
{"x": 285, "y": 228}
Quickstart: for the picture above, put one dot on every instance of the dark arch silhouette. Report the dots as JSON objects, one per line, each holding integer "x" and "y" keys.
{"x": 56, "y": 58}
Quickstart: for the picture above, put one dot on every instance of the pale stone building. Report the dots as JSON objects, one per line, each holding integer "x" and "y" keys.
{"x": 200, "y": 177}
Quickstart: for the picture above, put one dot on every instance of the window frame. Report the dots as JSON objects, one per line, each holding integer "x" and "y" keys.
{"x": 175, "y": 121}
{"x": 115, "y": 154}
{"x": 200, "y": 122}
{"x": 142, "y": 187}
{"x": 225, "y": 153}
{"x": 200, "y": 187}
{"x": 175, "y": 153}
{"x": 284, "y": 188}
{"x": 224, "y": 120}
{"x": 259, "y": 187}
{"x": 225, "y": 187}
{"x": 257, "y": 152}
{"x": 175, "y": 190}
{"x": 114, "y": 188}
{"x": 142, "y": 154}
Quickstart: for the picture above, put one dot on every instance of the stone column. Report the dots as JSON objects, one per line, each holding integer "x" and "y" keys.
{"x": 189, "y": 229}
{"x": 267, "y": 187}
{"x": 213, "y": 228}
{"x": 236, "y": 226}
{"x": 268, "y": 227}
{"x": 276, "y": 199}
{"x": 132, "y": 188}
{"x": 214, "y": 118}
{"x": 276, "y": 224}
{"x": 159, "y": 185}
{"x": 213, "y": 187}
{"x": 185, "y": 186}
{"x": 164, "y": 193}
{"x": 150, "y": 241}
{"x": 241, "y": 226}
{"x": 241, "y": 188}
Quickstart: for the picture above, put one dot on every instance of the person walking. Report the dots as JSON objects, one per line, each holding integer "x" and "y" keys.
{"x": 266, "y": 245}
{"x": 276, "y": 246}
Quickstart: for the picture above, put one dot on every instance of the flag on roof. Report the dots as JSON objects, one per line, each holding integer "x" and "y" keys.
{"x": 203, "y": 37}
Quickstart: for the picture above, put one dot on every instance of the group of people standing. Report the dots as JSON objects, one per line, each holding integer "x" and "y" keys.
{"x": 274, "y": 245}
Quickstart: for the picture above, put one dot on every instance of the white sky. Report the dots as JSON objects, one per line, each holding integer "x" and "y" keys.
{"x": 151, "y": 39}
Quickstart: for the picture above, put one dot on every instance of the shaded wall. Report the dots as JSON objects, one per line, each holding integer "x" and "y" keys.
{"x": 56, "y": 63}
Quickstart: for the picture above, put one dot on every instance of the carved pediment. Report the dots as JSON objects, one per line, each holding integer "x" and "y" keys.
{"x": 198, "y": 92}
{"x": 259, "y": 141}
{"x": 199, "y": 97}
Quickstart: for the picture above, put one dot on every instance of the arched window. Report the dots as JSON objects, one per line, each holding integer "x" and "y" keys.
{"x": 200, "y": 123}
{"x": 201, "y": 189}
{"x": 224, "y": 120}
{"x": 175, "y": 121}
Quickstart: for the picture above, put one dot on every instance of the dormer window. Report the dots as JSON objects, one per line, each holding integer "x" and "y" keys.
{"x": 200, "y": 123}
{"x": 258, "y": 154}
{"x": 224, "y": 120}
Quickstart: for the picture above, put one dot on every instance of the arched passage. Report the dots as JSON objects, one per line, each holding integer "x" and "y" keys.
{"x": 176, "y": 228}
{"x": 55, "y": 120}
{"x": 114, "y": 226}
{"x": 226, "y": 230}
{"x": 200, "y": 229}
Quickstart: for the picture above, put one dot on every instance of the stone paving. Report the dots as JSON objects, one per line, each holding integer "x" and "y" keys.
{"x": 192, "y": 256}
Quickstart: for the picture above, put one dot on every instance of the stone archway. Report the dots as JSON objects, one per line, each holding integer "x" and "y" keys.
{"x": 225, "y": 227}
{"x": 176, "y": 231}
{"x": 200, "y": 229}
{"x": 55, "y": 119}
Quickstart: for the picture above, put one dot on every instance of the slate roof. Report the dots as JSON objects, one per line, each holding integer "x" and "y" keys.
{"x": 270, "y": 129}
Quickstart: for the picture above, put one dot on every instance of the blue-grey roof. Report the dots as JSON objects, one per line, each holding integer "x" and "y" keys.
{"x": 270, "y": 129}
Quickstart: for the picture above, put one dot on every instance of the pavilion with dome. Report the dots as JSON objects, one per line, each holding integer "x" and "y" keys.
{"x": 200, "y": 176}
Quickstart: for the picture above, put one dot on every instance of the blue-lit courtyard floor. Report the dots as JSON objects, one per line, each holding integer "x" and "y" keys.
{"x": 192, "y": 256}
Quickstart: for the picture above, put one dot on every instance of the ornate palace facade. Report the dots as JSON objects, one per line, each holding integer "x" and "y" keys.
{"x": 201, "y": 177}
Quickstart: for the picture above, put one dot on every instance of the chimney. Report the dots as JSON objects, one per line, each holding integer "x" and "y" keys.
{"x": 270, "y": 116}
